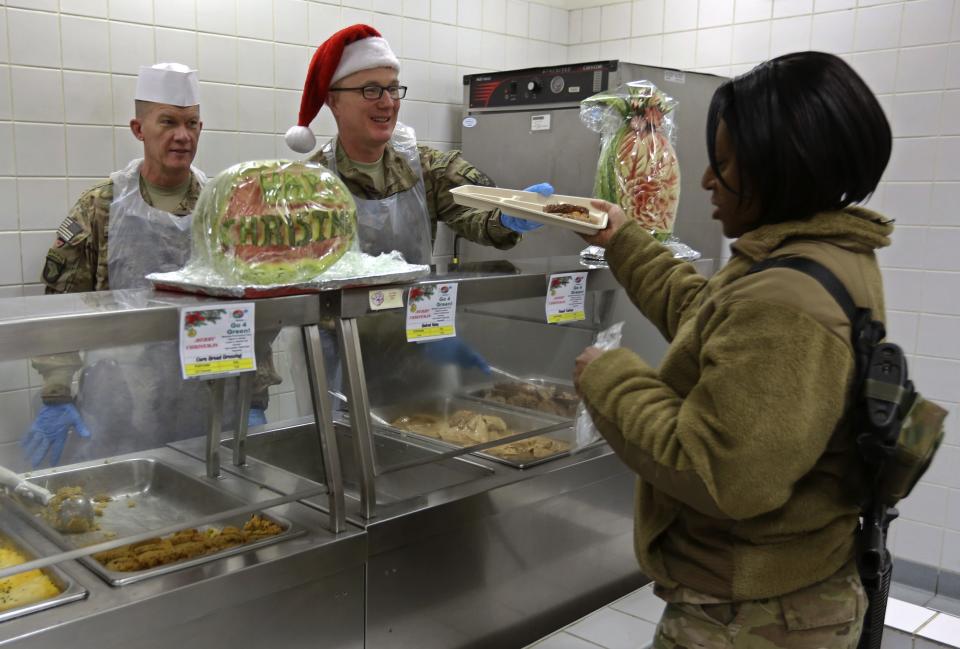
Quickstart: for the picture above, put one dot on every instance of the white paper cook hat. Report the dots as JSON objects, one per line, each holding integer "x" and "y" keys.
{"x": 168, "y": 83}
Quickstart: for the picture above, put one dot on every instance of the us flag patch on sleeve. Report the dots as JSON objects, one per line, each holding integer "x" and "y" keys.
{"x": 69, "y": 229}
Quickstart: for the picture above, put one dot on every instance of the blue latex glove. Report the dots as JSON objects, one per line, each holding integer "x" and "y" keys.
{"x": 517, "y": 224}
{"x": 454, "y": 350}
{"x": 257, "y": 417}
{"x": 48, "y": 434}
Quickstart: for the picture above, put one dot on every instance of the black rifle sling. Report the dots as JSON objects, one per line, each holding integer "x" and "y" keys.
{"x": 817, "y": 271}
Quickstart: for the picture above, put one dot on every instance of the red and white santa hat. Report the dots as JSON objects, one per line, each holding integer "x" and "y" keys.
{"x": 353, "y": 48}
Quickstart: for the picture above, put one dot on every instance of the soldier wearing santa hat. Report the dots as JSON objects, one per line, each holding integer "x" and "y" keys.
{"x": 401, "y": 188}
{"x": 133, "y": 398}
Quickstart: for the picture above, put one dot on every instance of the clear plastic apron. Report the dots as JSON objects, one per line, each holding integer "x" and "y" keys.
{"x": 132, "y": 398}
{"x": 400, "y": 222}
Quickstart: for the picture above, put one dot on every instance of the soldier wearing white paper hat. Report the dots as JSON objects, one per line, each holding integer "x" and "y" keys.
{"x": 147, "y": 210}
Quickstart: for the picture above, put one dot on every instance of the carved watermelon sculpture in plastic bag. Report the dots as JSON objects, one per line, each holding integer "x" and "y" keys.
{"x": 273, "y": 222}
{"x": 638, "y": 168}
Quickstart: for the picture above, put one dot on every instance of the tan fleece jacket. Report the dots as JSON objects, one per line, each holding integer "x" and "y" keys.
{"x": 748, "y": 473}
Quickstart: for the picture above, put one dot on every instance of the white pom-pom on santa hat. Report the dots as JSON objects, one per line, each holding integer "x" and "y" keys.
{"x": 352, "y": 49}
{"x": 300, "y": 139}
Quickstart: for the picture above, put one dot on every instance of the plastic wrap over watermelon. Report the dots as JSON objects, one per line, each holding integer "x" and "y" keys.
{"x": 273, "y": 222}
{"x": 638, "y": 167}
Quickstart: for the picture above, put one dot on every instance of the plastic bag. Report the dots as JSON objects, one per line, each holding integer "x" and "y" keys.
{"x": 638, "y": 168}
{"x": 272, "y": 222}
{"x": 586, "y": 431}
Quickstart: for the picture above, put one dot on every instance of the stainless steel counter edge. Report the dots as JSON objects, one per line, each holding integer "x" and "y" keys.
{"x": 195, "y": 590}
{"x": 51, "y": 324}
{"x": 491, "y": 281}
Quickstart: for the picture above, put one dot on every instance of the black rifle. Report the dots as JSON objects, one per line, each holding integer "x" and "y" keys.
{"x": 882, "y": 395}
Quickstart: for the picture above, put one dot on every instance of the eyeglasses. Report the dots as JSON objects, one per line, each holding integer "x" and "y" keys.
{"x": 373, "y": 92}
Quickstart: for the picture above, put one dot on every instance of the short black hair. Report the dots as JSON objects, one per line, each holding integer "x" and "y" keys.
{"x": 808, "y": 133}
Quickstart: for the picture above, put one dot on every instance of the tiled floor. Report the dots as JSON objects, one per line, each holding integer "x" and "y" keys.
{"x": 629, "y": 623}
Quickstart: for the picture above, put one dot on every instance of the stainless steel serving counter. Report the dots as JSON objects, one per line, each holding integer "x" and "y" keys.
{"x": 432, "y": 548}
{"x": 304, "y": 591}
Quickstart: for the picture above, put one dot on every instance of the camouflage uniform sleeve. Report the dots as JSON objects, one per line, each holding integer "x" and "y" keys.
{"x": 444, "y": 171}
{"x": 266, "y": 374}
{"x": 75, "y": 263}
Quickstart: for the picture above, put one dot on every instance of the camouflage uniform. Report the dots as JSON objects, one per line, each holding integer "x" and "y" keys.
{"x": 77, "y": 263}
{"x": 441, "y": 173}
{"x": 826, "y": 615}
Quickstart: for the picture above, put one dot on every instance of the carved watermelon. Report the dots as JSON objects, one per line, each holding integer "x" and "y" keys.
{"x": 638, "y": 168}
{"x": 273, "y": 222}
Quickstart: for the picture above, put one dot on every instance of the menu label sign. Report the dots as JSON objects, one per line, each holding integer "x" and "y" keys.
{"x": 431, "y": 312}
{"x": 217, "y": 340}
{"x": 566, "y": 296}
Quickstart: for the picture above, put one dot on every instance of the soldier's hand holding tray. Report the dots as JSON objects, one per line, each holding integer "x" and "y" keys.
{"x": 616, "y": 219}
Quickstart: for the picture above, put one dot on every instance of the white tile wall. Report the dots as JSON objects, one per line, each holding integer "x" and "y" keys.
{"x": 919, "y": 542}
{"x": 647, "y": 17}
{"x": 9, "y": 217}
{"x": 6, "y": 150}
{"x": 833, "y": 32}
{"x": 680, "y": 15}
{"x": 40, "y": 149}
{"x": 177, "y": 45}
{"x": 940, "y": 293}
{"x": 42, "y": 202}
{"x": 790, "y": 35}
{"x": 750, "y": 10}
{"x": 37, "y": 94}
{"x": 470, "y": 13}
{"x": 96, "y": 8}
{"x": 86, "y": 43}
{"x": 751, "y": 42}
{"x": 926, "y": 21}
{"x": 715, "y": 14}
{"x": 255, "y": 18}
{"x": 590, "y": 31}
{"x": 218, "y": 16}
{"x": 615, "y": 21}
{"x": 878, "y": 27}
{"x": 495, "y": 15}
{"x": 784, "y": 8}
{"x": 34, "y": 38}
{"x": 679, "y": 50}
{"x": 714, "y": 46}
{"x": 878, "y": 69}
{"x": 131, "y": 45}
{"x": 921, "y": 68}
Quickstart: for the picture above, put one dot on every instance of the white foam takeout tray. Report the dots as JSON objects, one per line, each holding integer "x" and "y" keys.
{"x": 529, "y": 205}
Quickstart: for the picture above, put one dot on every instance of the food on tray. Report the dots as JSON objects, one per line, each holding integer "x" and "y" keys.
{"x": 273, "y": 222}
{"x": 569, "y": 211}
{"x": 24, "y": 588}
{"x": 185, "y": 544}
{"x": 638, "y": 167}
{"x": 468, "y": 428}
{"x": 544, "y": 398}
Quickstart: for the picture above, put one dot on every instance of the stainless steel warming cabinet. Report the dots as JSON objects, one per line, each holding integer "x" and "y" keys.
{"x": 523, "y": 126}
